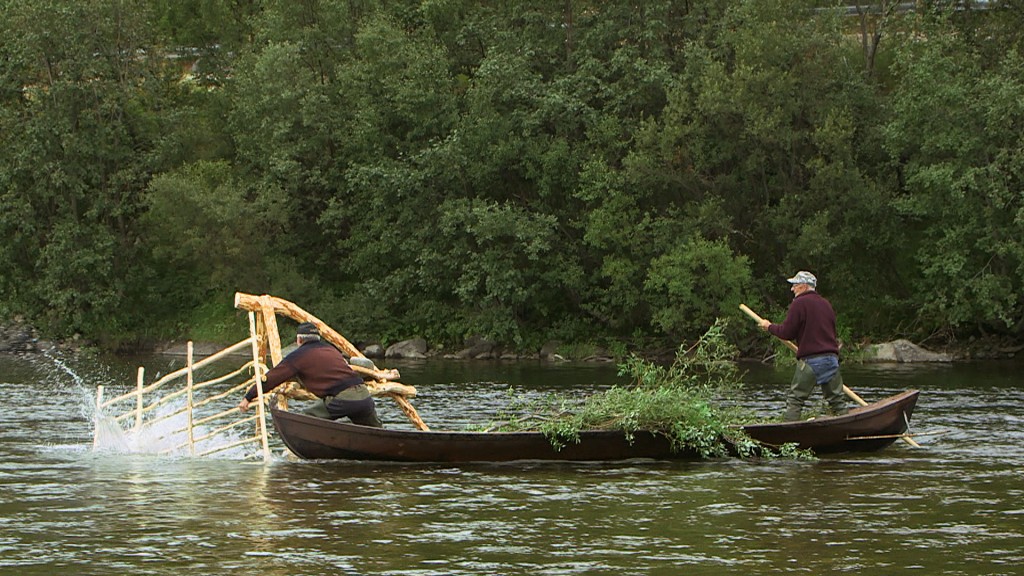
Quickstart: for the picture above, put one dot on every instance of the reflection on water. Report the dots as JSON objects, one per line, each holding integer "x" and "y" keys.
{"x": 954, "y": 508}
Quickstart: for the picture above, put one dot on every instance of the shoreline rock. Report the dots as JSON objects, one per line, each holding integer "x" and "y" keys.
{"x": 20, "y": 338}
{"x": 17, "y": 337}
{"x": 904, "y": 352}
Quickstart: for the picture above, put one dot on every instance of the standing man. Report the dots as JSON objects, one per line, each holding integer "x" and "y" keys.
{"x": 811, "y": 323}
{"x": 322, "y": 369}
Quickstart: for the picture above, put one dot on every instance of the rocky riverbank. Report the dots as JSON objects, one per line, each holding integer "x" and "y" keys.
{"x": 18, "y": 337}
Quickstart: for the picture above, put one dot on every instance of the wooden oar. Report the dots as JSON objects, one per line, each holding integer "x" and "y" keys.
{"x": 853, "y": 395}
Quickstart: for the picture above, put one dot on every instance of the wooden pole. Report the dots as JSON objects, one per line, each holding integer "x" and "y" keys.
{"x": 266, "y": 306}
{"x": 409, "y": 411}
{"x": 188, "y": 402}
{"x": 846, "y": 390}
{"x": 96, "y": 418}
{"x": 138, "y": 398}
{"x": 273, "y": 335}
{"x": 257, "y": 357}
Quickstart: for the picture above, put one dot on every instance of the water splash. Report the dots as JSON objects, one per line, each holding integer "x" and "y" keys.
{"x": 163, "y": 432}
{"x": 65, "y": 368}
{"x": 109, "y": 437}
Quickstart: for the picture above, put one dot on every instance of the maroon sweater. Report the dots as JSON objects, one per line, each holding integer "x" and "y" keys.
{"x": 811, "y": 323}
{"x": 319, "y": 365}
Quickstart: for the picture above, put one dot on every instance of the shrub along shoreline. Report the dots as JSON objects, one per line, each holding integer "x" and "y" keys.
{"x": 19, "y": 337}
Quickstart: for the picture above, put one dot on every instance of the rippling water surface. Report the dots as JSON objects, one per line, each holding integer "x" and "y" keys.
{"x": 955, "y": 507}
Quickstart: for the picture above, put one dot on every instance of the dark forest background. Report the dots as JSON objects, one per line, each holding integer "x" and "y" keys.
{"x": 608, "y": 172}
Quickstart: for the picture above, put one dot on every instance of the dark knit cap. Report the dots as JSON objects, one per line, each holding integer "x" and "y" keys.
{"x": 308, "y": 328}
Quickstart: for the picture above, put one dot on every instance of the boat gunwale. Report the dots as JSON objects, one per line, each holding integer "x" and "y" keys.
{"x": 854, "y": 415}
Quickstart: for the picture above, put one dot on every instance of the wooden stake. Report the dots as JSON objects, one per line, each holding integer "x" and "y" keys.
{"x": 257, "y": 369}
{"x": 409, "y": 411}
{"x": 138, "y": 398}
{"x": 99, "y": 414}
{"x": 190, "y": 382}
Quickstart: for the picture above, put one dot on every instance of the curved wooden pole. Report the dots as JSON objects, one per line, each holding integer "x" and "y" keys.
{"x": 381, "y": 383}
{"x": 853, "y": 395}
{"x": 272, "y": 304}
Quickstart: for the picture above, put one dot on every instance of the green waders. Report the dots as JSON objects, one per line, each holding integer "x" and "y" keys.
{"x": 802, "y": 386}
{"x": 354, "y": 402}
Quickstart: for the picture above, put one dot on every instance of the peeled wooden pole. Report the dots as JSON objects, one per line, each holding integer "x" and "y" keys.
{"x": 853, "y": 395}
{"x": 267, "y": 303}
{"x": 257, "y": 380}
{"x": 381, "y": 385}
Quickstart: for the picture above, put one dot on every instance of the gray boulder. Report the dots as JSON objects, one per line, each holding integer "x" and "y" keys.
{"x": 374, "y": 351}
{"x": 477, "y": 347}
{"x": 903, "y": 351}
{"x": 412, "y": 348}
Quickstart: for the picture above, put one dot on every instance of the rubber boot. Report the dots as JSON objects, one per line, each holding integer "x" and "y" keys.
{"x": 793, "y": 412}
{"x": 834, "y": 395}
{"x": 799, "y": 391}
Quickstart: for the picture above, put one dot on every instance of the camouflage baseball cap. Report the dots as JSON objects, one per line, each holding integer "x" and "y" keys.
{"x": 804, "y": 277}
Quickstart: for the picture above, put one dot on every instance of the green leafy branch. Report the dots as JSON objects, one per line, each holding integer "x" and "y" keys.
{"x": 688, "y": 401}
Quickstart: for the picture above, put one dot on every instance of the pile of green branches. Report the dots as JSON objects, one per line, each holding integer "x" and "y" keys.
{"x": 691, "y": 402}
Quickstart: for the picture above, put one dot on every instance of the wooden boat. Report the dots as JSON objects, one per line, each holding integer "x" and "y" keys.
{"x": 863, "y": 429}
{"x": 867, "y": 428}
{"x": 317, "y": 438}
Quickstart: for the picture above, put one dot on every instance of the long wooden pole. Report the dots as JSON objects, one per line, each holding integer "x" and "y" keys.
{"x": 138, "y": 398}
{"x": 257, "y": 378}
{"x": 190, "y": 383}
{"x": 381, "y": 384}
{"x": 853, "y": 395}
{"x": 99, "y": 414}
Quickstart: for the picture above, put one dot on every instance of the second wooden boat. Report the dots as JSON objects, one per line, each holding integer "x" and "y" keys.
{"x": 866, "y": 428}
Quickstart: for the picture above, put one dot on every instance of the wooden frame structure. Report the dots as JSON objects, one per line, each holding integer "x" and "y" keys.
{"x": 378, "y": 381}
{"x": 200, "y": 409}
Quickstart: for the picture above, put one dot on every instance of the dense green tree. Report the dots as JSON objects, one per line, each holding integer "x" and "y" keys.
{"x": 203, "y": 228}
{"x": 75, "y": 158}
{"x": 772, "y": 124}
{"x": 956, "y": 133}
{"x": 582, "y": 170}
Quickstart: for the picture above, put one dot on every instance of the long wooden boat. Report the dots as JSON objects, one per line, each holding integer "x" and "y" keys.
{"x": 863, "y": 429}
{"x": 866, "y": 428}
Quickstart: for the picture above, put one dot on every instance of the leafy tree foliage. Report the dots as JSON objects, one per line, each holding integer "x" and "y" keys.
{"x": 956, "y": 133}
{"x": 586, "y": 170}
{"x": 78, "y": 129}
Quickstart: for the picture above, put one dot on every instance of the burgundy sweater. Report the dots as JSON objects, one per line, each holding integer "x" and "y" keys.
{"x": 811, "y": 323}
{"x": 319, "y": 365}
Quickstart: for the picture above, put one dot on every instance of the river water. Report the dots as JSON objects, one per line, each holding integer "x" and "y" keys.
{"x": 954, "y": 507}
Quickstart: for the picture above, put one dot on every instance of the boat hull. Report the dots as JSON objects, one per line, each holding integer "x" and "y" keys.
{"x": 863, "y": 429}
{"x": 316, "y": 438}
